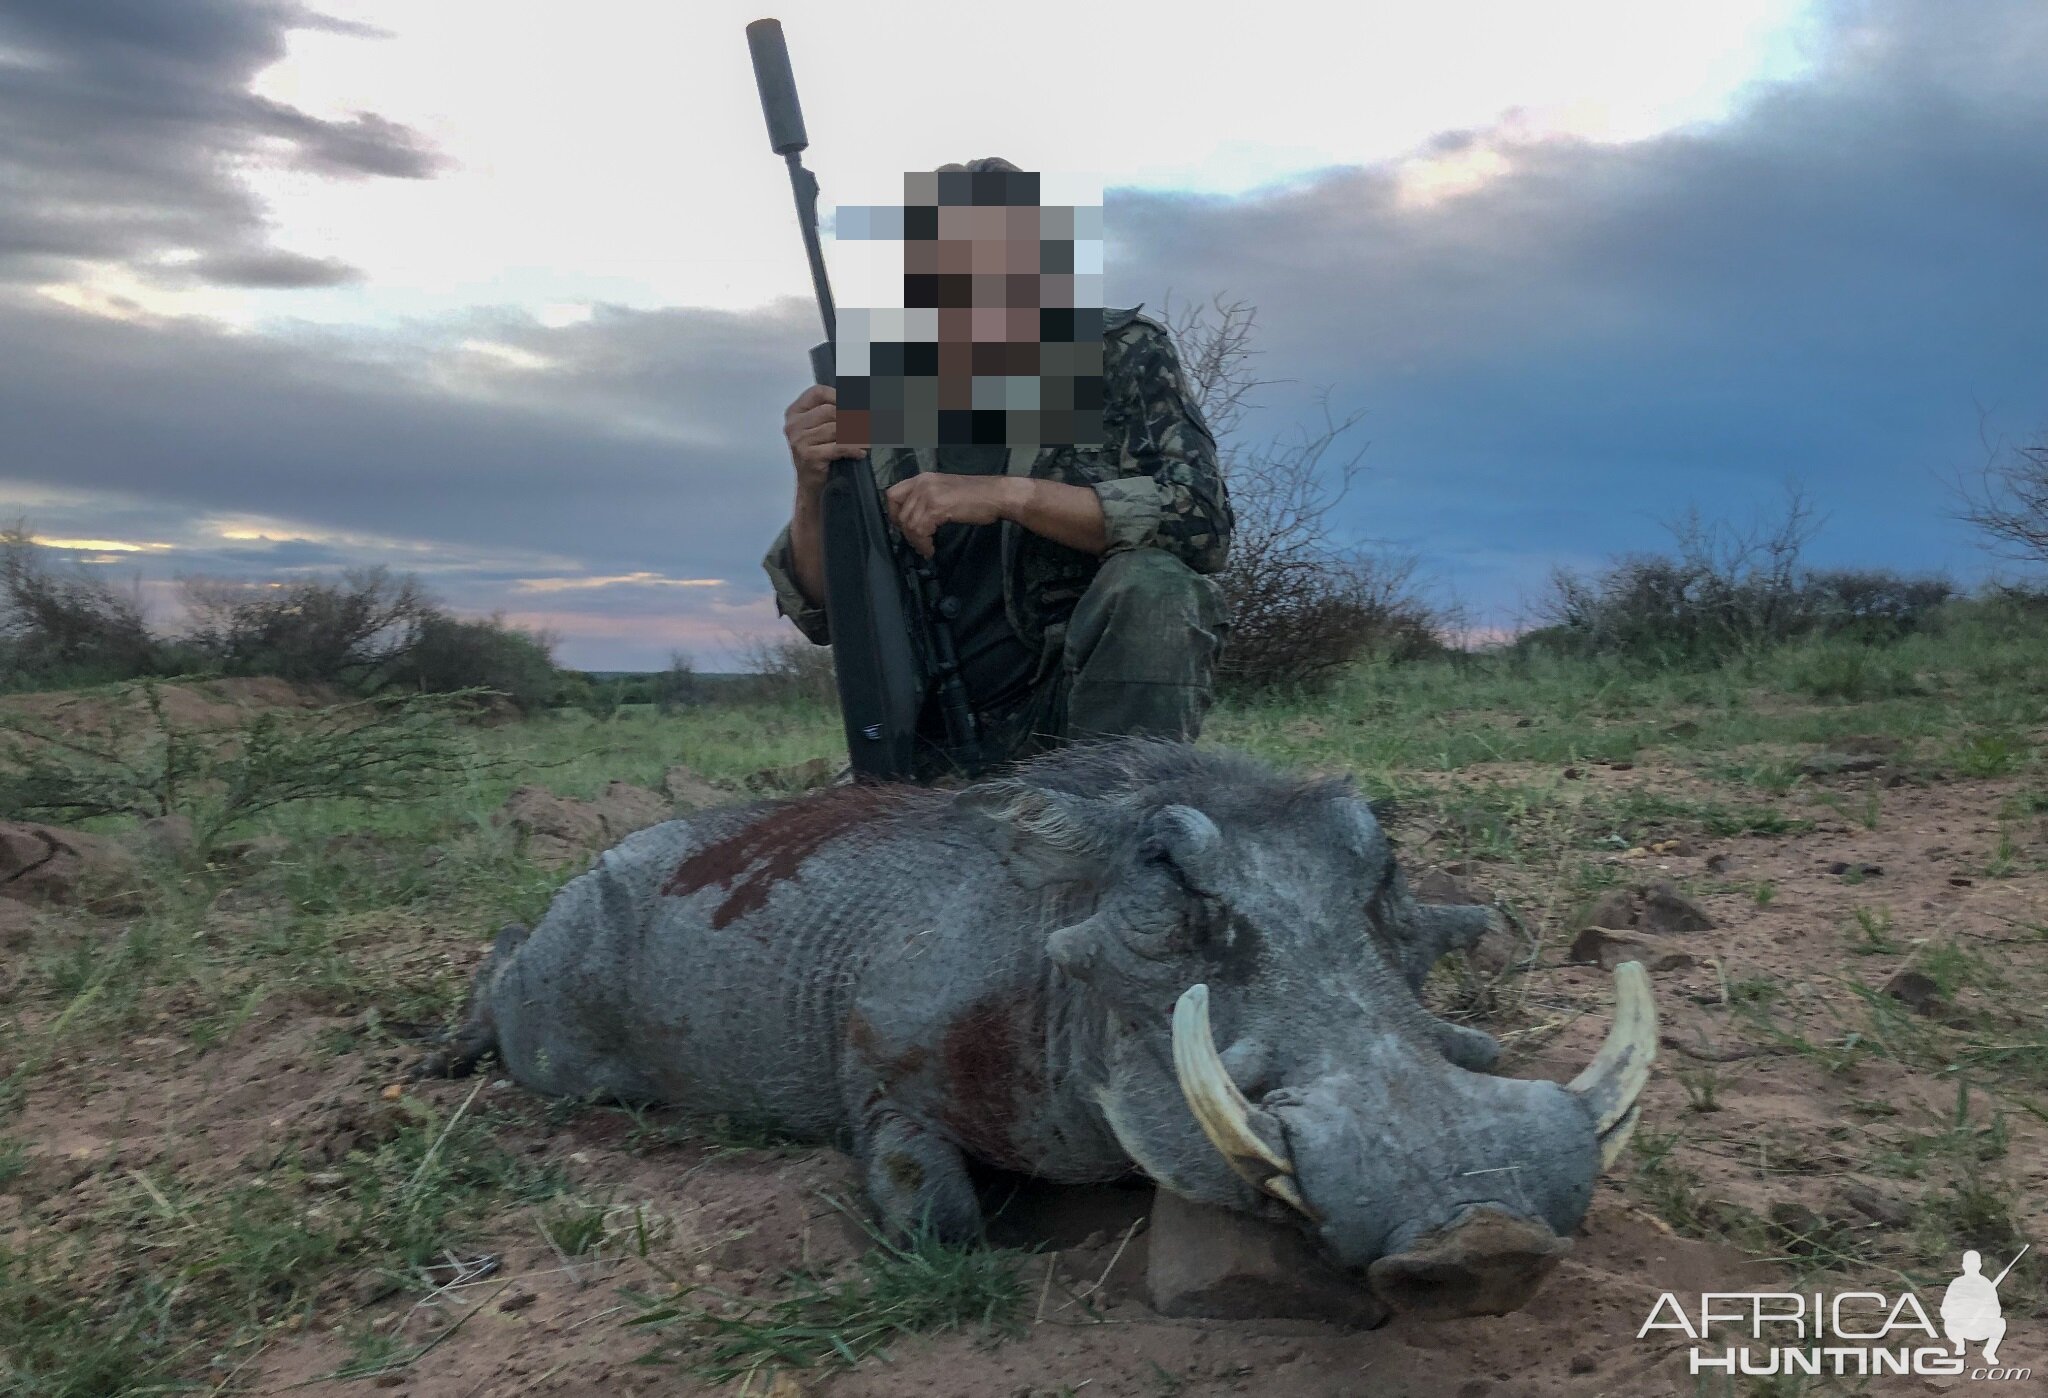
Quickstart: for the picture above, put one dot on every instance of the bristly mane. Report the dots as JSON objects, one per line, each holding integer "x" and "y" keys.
{"x": 1156, "y": 772}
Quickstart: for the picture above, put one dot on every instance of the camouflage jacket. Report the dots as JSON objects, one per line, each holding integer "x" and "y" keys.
{"x": 1156, "y": 474}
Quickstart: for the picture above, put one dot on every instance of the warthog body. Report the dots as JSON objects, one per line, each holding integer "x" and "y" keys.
{"x": 995, "y": 974}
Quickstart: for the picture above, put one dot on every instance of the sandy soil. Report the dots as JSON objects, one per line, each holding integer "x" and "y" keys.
{"x": 1789, "y": 1130}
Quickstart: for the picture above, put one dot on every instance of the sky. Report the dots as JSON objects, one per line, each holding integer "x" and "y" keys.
{"x": 509, "y": 294}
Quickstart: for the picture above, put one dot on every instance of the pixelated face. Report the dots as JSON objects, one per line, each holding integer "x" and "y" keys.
{"x": 998, "y": 340}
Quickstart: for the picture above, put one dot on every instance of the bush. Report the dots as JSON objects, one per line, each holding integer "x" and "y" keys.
{"x": 139, "y": 761}
{"x": 450, "y": 654}
{"x": 349, "y": 632}
{"x": 2008, "y": 502}
{"x": 788, "y": 670}
{"x": 62, "y": 627}
{"x": 1727, "y": 589}
{"x": 1304, "y": 604}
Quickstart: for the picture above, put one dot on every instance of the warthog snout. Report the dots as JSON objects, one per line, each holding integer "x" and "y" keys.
{"x": 1487, "y": 1263}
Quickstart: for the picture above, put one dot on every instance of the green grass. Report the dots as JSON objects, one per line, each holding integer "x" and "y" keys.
{"x": 811, "y": 1319}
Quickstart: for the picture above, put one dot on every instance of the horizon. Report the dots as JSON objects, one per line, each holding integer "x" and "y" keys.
{"x": 328, "y": 288}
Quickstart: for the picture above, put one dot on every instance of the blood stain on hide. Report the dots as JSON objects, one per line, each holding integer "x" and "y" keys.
{"x": 991, "y": 1070}
{"x": 773, "y": 846}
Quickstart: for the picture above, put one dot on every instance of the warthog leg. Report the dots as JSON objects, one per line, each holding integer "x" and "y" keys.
{"x": 918, "y": 1181}
{"x": 476, "y": 1038}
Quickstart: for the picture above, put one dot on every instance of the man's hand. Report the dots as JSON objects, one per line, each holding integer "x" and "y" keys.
{"x": 922, "y": 503}
{"x": 810, "y": 425}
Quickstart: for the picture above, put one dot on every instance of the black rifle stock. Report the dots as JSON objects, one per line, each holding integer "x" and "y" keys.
{"x": 892, "y": 638}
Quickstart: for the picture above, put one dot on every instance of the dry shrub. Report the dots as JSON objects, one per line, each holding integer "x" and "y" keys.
{"x": 1305, "y": 603}
{"x": 2008, "y": 502}
{"x": 348, "y": 631}
{"x": 787, "y": 669}
{"x": 66, "y": 625}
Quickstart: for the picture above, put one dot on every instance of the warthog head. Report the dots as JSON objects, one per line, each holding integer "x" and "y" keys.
{"x": 1217, "y": 904}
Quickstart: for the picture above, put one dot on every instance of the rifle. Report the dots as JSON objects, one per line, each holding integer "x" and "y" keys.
{"x": 892, "y": 634}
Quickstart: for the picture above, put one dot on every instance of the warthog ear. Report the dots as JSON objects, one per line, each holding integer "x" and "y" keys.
{"x": 1050, "y": 836}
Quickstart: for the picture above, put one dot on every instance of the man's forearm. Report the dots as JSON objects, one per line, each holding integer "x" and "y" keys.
{"x": 807, "y": 544}
{"x": 1065, "y": 514}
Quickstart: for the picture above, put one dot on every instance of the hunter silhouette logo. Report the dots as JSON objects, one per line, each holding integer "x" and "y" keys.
{"x": 1848, "y": 1333}
{"x": 1970, "y": 1311}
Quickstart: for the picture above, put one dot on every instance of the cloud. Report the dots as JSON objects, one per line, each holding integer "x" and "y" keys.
{"x": 122, "y": 123}
{"x": 271, "y": 268}
{"x": 1557, "y": 343}
{"x": 1560, "y": 352}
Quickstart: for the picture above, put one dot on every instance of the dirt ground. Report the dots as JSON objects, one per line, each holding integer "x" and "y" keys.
{"x": 1801, "y": 1130}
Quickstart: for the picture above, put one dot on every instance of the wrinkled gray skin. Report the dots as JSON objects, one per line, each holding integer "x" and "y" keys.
{"x": 927, "y": 975}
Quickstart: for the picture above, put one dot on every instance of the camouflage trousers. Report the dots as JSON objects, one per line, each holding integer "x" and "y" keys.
{"x": 1137, "y": 658}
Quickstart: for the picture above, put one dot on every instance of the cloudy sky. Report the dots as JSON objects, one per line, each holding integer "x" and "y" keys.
{"x": 508, "y": 294}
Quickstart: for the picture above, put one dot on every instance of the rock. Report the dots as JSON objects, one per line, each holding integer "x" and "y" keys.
{"x": 49, "y": 864}
{"x": 165, "y": 836}
{"x": 372, "y": 1287}
{"x": 1665, "y": 909}
{"x": 1855, "y": 871}
{"x": 1879, "y": 1208}
{"x": 1607, "y": 949}
{"x": 798, "y": 776}
{"x": 1439, "y": 886}
{"x": 1583, "y": 1363}
{"x": 517, "y": 1301}
{"x": 1498, "y": 948}
{"x": 1615, "y": 908}
{"x": 1915, "y": 990}
{"x": 1621, "y": 766}
{"x": 1206, "y": 1261}
{"x": 690, "y": 792}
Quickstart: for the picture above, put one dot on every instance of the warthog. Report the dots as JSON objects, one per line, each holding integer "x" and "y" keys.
{"x": 1036, "y": 972}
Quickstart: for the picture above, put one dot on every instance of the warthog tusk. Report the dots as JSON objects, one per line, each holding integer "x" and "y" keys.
{"x": 1220, "y": 1109}
{"x": 1614, "y": 1079}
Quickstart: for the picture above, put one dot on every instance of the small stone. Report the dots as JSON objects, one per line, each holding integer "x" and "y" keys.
{"x": 1665, "y": 909}
{"x": 1877, "y": 1207}
{"x": 1615, "y": 908}
{"x": 394, "y": 1092}
{"x": 1607, "y": 949}
{"x": 391, "y": 1380}
{"x": 1915, "y": 990}
{"x": 1961, "y": 882}
{"x": 516, "y": 1301}
{"x": 1572, "y": 774}
{"x": 372, "y": 1287}
{"x": 1621, "y": 766}
{"x": 1583, "y": 1364}
{"x": 1525, "y": 723}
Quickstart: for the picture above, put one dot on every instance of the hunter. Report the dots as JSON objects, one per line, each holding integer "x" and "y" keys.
{"x": 1083, "y": 574}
